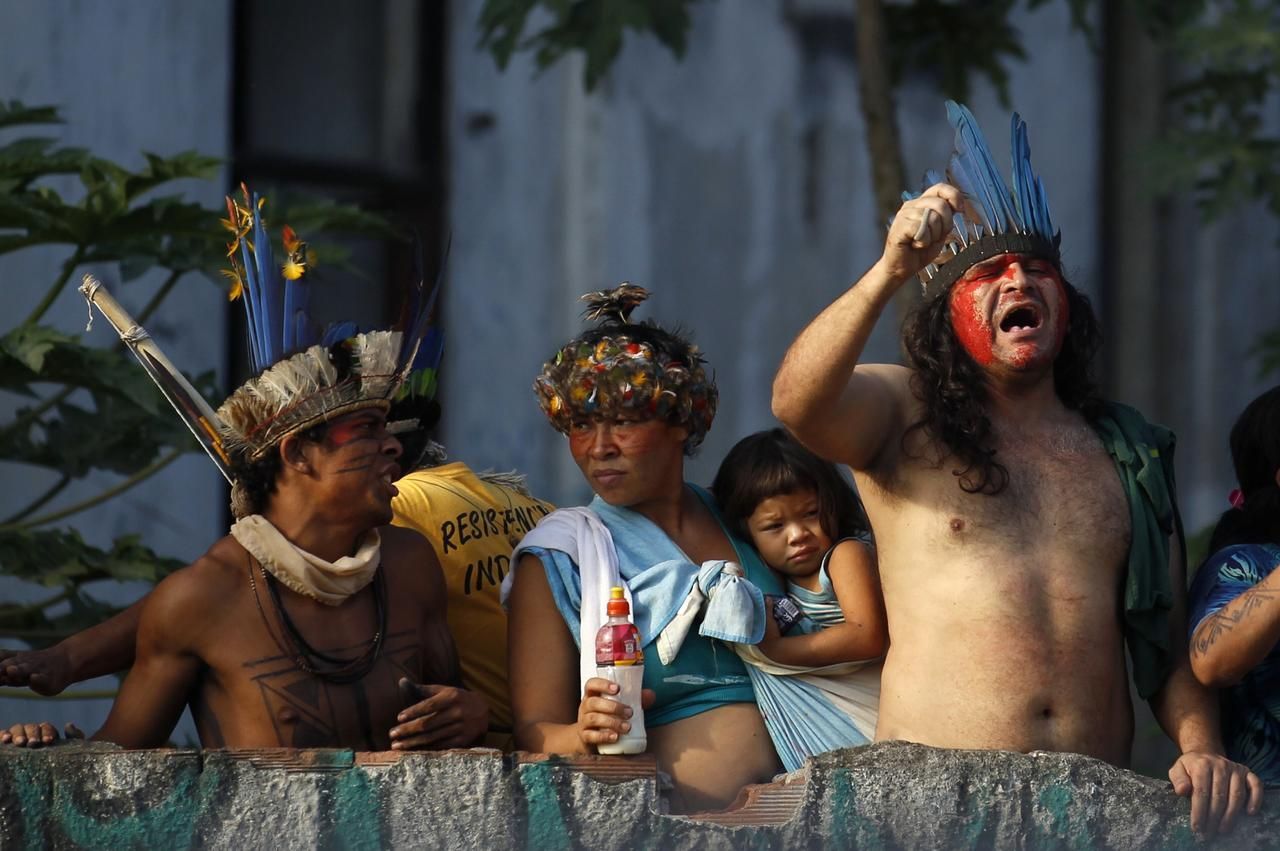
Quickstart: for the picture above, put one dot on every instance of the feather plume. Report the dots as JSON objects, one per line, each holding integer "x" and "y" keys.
{"x": 512, "y": 479}
{"x": 419, "y": 306}
{"x": 614, "y": 306}
{"x": 339, "y": 331}
{"x": 979, "y": 168}
{"x": 300, "y": 382}
{"x": 1027, "y": 190}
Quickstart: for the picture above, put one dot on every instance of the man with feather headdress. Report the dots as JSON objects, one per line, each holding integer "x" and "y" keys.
{"x": 1026, "y": 529}
{"x": 314, "y": 623}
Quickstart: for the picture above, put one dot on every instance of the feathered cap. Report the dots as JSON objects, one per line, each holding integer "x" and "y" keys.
{"x": 304, "y": 376}
{"x": 996, "y": 219}
{"x": 623, "y": 366}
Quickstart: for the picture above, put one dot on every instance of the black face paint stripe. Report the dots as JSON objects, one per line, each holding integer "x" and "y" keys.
{"x": 364, "y": 462}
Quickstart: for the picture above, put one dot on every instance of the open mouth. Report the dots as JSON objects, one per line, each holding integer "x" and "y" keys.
{"x": 1022, "y": 318}
{"x": 388, "y": 481}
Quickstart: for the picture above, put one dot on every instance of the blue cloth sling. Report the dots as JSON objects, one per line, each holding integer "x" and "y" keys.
{"x": 800, "y": 719}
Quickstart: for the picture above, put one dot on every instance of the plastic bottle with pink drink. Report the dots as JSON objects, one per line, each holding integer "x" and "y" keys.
{"x": 620, "y": 659}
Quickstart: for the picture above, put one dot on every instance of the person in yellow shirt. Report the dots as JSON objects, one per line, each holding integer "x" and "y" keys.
{"x": 473, "y": 521}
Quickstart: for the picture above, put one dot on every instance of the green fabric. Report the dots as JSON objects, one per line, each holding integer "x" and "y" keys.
{"x": 1143, "y": 454}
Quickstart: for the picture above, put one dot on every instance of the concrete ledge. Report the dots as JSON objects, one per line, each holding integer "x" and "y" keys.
{"x": 890, "y": 795}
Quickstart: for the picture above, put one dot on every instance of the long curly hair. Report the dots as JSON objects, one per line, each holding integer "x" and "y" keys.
{"x": 1255, "y": 455}
{"x": 954, "y": 392}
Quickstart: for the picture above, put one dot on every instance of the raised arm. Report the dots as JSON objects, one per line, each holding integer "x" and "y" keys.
{"x": 550, "y": 714}
{"x": 99, "y": 650}
{"x": 841, "y": 410}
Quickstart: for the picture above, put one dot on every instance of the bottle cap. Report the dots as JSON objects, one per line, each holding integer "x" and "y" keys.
{"x": 618, "y": 604}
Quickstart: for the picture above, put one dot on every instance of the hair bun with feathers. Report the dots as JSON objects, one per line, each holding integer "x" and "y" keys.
{"x": 613, "y": 307}
{"x": 619, "y": 366}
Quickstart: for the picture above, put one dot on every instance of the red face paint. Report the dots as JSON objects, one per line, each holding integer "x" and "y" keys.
{"x": 976, "y": 298}
{"x": 354, "y": 427}
{"x": 970, "y": 321}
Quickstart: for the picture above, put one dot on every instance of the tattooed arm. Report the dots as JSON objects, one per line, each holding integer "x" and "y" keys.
{"x": 1233, "y": 640}
{"x": 1219, "y": 788}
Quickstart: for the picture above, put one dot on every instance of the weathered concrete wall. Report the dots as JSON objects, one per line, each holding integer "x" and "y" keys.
{"x": 889, "y": 795}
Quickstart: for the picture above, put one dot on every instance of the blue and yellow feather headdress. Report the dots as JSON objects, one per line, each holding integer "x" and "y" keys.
{"x": 304, "y": 377}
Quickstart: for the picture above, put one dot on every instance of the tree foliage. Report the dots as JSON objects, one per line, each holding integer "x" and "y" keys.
{"x": 1219, "y": 146}
{"x": 595, "y": 27}
{"x": 83, "y": 409}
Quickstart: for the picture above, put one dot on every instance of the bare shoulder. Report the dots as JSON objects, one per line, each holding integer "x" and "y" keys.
{"x": 179, "y": 610}
{"x": 411, "y": 563}
{"x": 851, "y": 556}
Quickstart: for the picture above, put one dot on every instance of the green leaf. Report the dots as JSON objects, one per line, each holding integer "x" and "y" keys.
{"x": 24, "y": 160}
{"x": 15, "y": 113}
{"x": 595, "y": 27}
{"x": 161, "y": 170}
{"x": 949, "y": 41}
{"x": 30, "y": 343}
{"x": 501, "y": 24}
{"x": 61, "y": 558}
{"x": 1267, "y": 351}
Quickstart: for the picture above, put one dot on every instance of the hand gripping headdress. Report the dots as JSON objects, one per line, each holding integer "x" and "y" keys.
{"x": 623, "y": 366}
{"x": 996, "y": 219}
{"x": 304, "y": 377}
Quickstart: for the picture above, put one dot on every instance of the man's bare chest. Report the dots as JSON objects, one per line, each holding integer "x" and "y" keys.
{"x": 1063, "y": 498}
{"x": 313, "y": 677}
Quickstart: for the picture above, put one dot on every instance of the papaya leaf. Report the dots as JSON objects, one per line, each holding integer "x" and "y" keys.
{"x": 950, "y": 42}
{"x": 118, "y": 435}
{"x": 61, "y": 558}
{"x": 15, "y": 113}
{"x": 64, "y": 360}
{"x": 25, "y": 160}
{"x": 30, "y": 343}
{"x": 595, "y": 27}
{"x": 161, "y": 170}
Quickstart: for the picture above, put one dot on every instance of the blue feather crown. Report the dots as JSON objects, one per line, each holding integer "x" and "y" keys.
{"x": 306, "y": 376}
{"x": 997, "y": 219}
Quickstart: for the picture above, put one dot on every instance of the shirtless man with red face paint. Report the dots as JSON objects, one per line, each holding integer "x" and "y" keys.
{"x": 1002, "y": 528}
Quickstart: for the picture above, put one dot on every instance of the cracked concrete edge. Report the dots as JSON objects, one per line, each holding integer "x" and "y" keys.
{"x": 889, "y": 795}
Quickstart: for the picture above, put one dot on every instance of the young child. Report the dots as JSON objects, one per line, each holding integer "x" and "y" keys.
{"x": 807, "y": 524}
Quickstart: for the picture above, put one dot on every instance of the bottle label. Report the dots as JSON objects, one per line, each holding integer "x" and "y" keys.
{"x": 618, "y": 644}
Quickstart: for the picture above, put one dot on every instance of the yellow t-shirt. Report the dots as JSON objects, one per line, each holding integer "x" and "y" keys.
{"x": 473, "y": 526}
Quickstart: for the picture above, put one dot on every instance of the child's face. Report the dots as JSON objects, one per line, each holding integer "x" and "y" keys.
{"x": 787, "y": 531}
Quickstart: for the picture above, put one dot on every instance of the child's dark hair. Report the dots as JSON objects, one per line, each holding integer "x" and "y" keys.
{"x": 770, "y": 463}
{"x": 1255, "y": 454}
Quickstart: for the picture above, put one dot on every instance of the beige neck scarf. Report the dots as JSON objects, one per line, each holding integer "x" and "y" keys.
{"x": 330, "y": 583}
